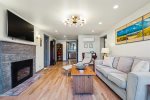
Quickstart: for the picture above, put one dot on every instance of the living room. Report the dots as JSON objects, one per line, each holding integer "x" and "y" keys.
{"x": 74, "y": 50}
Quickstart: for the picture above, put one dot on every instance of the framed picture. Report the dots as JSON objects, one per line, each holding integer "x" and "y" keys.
{"x": 137, "y": 30}
{"x": 146, "y": 26}
{"x": 131, "y": 32}
{"x": 85, "y": 45}
{"x": 121, "y": 37}
{"x": 90, "y": 45}
{"x": 134, "y": 31}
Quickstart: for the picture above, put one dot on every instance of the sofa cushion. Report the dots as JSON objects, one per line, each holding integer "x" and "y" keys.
{"x": 125, "y": 64}
{"x": 142, "y": 66}
{"x": 120, "y": 79}
{"x": 108, "y": 61}
{"x": 115, "y": 63}
{"x": 106, "y": 70}
{"x": 137, "y": 60}
{"x": 98, "y": 66}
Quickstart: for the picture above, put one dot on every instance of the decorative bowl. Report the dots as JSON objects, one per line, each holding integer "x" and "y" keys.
{"x": 80, "y": 66}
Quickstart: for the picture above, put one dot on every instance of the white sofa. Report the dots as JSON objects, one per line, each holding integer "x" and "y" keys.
{"x": 120, "y": 78}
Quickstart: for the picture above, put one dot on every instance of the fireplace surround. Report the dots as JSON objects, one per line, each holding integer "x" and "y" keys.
{"x": 13, "y": 52}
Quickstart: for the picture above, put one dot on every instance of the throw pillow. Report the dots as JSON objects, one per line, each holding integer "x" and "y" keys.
{"x": 125, "y": 64}
{"x": 115, "y": 63}
{"x": 142, "y": 66}
{"x": 108, "y": 61}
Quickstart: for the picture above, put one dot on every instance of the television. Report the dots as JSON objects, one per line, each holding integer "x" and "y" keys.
{"x": 19, "y": 28}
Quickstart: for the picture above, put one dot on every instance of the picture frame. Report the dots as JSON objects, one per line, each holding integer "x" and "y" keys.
{"x": 146, "y": 26}
{"x": 90, "y": 45}
{"x": 120, "y": 35}
{"x": 134, "y": 31}
{"x": 85, "y": 45}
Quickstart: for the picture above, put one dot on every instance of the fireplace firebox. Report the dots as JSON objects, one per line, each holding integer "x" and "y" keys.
{"x": 21, "y": 71}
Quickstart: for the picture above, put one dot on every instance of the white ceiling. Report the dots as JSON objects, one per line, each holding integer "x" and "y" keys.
{"x": 48, "y": 15}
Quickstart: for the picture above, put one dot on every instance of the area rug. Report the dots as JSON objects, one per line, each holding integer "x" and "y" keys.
{"x": 22, "y": 87}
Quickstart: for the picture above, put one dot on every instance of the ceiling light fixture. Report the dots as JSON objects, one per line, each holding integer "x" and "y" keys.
{"x": 116, "y": 6}
{"x": 56, "y": 31}
{"x": 93, "y": 31}
{"x": 74, "y": 21}
{"x": 100, "y": 23}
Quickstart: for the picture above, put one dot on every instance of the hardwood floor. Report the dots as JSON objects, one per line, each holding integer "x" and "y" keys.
{"x": 55, "y": 85}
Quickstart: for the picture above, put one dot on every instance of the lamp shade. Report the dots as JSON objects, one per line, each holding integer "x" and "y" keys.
{"x": 105, "y": 50}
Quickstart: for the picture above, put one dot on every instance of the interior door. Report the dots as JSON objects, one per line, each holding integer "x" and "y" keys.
{"x": 46, "y": 50}
{"x": 52, "y": 52}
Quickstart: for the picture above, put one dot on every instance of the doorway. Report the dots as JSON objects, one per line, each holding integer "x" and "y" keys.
{"x": 71, "y": 50}
{"x": 102, "y": 44}
{"x": 59, "y": 52}
{"x": 46, "y": 51}
{"x": 52, "y": 52}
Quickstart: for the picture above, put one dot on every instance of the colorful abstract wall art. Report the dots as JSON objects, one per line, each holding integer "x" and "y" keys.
{"x": 121, "y": 36}
{"x": 134, "y": 31}
{"x": 146, "y": 26}
{"x": 137, "y": 30}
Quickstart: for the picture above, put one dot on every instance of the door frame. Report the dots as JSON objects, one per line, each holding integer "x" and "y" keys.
{"x": 67, "y": 44}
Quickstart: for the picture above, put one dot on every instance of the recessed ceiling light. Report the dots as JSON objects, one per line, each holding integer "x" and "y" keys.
{"x": 100, "y": 23}
{"x": 116, "y": 6}
{"x": 93, "y": 31}
{"x": 56, "y": 31}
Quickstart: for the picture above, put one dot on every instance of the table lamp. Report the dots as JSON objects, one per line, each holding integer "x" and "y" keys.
{"x": 105, "y": 51}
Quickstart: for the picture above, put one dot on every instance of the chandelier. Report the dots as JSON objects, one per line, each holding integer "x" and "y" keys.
{"x": 74, "y": 21}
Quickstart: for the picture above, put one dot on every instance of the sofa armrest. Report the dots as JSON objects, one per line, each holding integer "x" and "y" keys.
{"x": 98, "y": 62}
{"x": 137, "y": 83}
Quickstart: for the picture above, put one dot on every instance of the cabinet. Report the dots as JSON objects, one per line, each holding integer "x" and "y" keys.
{"x": 59, "y": 52}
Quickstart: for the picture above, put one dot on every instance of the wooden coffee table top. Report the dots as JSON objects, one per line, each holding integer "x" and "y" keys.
{"x": 88, "y": 71}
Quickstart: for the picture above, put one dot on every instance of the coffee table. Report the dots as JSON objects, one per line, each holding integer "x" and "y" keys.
{"x": 82, "y": 81}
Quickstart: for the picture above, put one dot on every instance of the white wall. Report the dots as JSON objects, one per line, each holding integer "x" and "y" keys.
{"x": 39, "y": 49}
{"x": 81, "y": 49}
{"x": 3, "y": 22}
{"x": 139, "y": 49}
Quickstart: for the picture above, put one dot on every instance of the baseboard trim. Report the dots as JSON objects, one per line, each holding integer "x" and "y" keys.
{"x": 39, "y": 71}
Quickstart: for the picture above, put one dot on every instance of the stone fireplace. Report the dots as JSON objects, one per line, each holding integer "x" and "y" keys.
{"x": 12, "y": 54}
